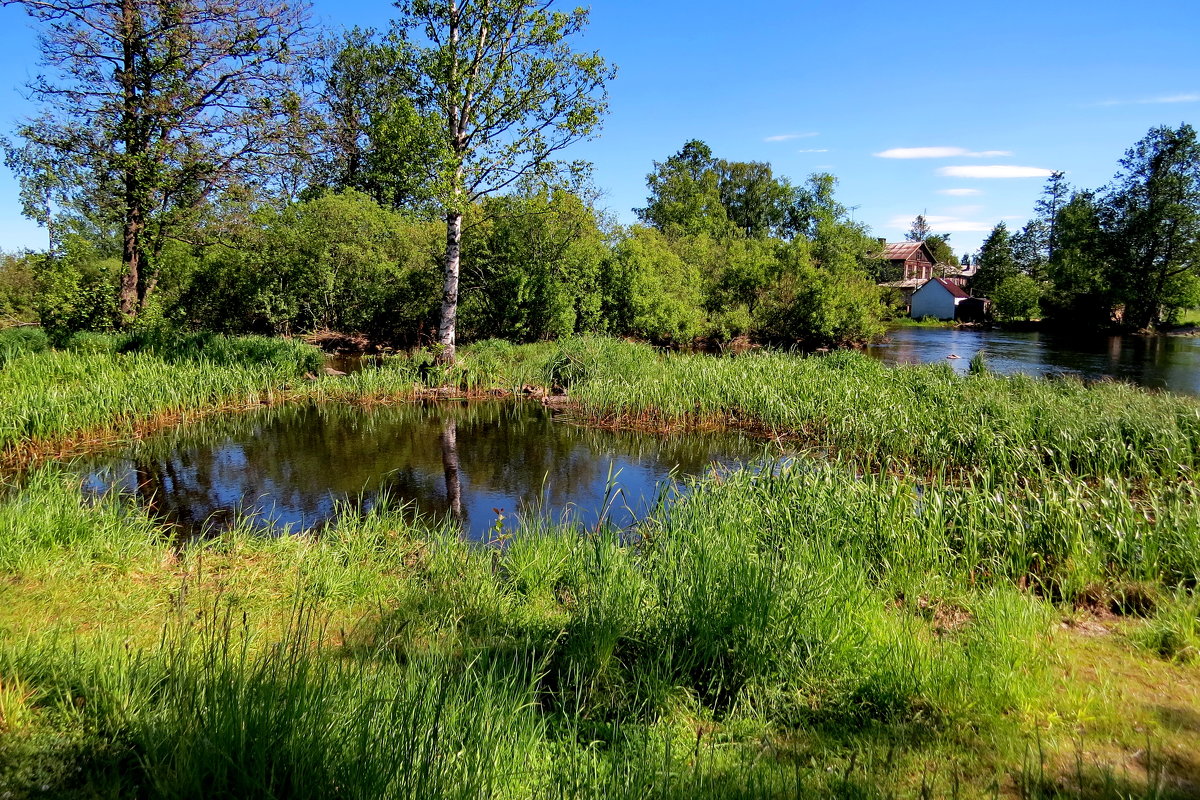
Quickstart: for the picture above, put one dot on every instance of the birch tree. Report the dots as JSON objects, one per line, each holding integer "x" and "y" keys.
{"x": 509, "y": 94}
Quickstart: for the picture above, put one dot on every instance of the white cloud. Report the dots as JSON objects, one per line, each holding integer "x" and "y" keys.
{"x": 942, "y": 224}
{"x": 961, "y": 192}
{"x": 815, "y": 150}
{"x": 787, "y": 137}
{"x": 1174, "y": 98}
{"x": 993, "y": 171}
{"x": 1186, "y": 97}
{"x": 939, "y": 152}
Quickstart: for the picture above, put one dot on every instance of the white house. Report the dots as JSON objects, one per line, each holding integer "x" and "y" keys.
{"x": 937, "y": 298}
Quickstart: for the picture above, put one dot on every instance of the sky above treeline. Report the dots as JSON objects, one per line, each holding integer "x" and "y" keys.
{"x": 957, "y": 110}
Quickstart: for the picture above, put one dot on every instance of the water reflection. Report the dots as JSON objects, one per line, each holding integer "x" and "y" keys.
{"x": 1159, "y": 362}
{"x": 293, "y": 467}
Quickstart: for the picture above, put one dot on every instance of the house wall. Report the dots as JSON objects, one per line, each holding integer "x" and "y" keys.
{"x": 919, "y": 266}
{"x": 932, "y": 300}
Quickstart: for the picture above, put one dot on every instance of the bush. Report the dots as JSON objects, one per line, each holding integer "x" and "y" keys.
{"x": 1017, "y": 297}
{"x": 16, "y": 342}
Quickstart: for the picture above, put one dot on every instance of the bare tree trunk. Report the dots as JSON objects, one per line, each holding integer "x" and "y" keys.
{"x": 447, "y": 327}
{"x": 131, "y": 233}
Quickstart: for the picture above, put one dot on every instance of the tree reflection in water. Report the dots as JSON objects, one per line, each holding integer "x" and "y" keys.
{"x": 299, "y": 467}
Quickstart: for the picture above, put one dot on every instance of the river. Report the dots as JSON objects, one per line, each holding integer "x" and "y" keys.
{"x": 1156, "y": 362}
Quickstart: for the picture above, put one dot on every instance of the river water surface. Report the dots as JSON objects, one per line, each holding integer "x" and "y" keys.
{"x": 1157, "y": 362}
{"x": 299, "y": 467}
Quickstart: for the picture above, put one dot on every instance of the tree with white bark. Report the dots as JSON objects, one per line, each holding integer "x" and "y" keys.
{"x": 508, "y": 95}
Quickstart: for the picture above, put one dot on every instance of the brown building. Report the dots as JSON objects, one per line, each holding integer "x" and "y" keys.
{"x": 916, "y": 264}
{"x": 915, "y": 258}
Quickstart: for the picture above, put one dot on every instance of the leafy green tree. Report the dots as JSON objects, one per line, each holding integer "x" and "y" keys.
{"x": 819, "y": 306}
{"x": 1030, "y": 249}
{"x": 651, "y": 291}
{"x": 377, "y": 134}
{"x": 338, "y": 261}
{"x": 685, "y": 194}
{"x": 1017, "y": 297}
{"x": 756, "y": 202}
{"x": 1152, "y": 216}
{"x": 938, "y": 243}
{"x": 510, "y": 94}
{"x": 920, "y": 229}
{"x": 825, "y": 293}
{"x": 533, "y": 268}
{"x": 18, "y": 286}
{"x": 152, "y": 107}
{"x": 75, "y": 288}
{"x": 1054, "y": 198}
{"x": 996, "y": 260}
{"x": 739, "y": 270}
{"x": 694, "y": 193}
{"x": 1079, "y": 267}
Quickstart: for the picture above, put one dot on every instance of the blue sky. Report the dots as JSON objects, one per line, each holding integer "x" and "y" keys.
{"x": 915, "y": 107}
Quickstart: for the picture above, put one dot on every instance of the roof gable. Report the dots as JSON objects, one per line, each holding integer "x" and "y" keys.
{"x": 903, "y": 251}
{"x": 955, "y": 291}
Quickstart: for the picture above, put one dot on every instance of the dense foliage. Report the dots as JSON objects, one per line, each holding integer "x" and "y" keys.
{"x": 1127, "y": 253}
{"x": 539, "y": 263}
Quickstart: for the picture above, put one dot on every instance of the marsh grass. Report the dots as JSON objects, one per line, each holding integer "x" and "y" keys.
{"x": 878, "y": 621}
{"x": 926, "y": 416}
{"x": 761, "y": 627}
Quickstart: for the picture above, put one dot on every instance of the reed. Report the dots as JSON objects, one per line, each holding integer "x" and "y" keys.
{"x": 927, "y": 416}
{"x": 881, "y": 617}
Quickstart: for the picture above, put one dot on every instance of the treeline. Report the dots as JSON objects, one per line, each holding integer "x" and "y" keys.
{"x": 231, "y": 167}
{"x": 725, "y": 250}
{"x": 1126, "y": 254}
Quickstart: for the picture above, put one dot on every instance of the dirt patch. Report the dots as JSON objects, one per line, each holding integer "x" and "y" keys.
{"x": 343, "y": 343}
{"x": 943, "y": 616}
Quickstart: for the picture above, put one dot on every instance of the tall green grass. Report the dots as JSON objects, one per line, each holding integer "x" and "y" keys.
{"x": 826, "y": 626}
{"x": 927, "y": 416}
{"x": 20, "y": 341}
{"x": 563, "y": 666}
{"x": 105, "y": 382}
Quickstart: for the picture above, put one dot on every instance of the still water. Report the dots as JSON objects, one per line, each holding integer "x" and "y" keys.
{"x": 298, "y": 468}
{"x": 1157, "y": 362}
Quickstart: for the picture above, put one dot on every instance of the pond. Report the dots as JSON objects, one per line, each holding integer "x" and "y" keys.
{"x": 484, "y": 464}
{"x": 1157, "y": 362}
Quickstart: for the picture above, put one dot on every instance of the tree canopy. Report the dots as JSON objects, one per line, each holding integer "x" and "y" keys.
{"x": 510, "y": 95}
{"x": 150, "y": 109}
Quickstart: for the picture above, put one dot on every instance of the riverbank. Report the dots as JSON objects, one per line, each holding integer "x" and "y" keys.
{"x": 977, "y": 586}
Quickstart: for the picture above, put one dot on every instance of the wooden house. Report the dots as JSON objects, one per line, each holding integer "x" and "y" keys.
{"x": 916, "y": 264}
{"x": 913, "y": 261}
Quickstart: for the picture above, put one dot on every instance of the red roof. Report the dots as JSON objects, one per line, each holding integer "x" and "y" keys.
{"x": 953, "y": 289}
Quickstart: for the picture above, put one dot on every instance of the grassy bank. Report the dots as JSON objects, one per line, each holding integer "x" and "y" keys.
{"x": 102, "y": 389}
{"x": 1008, "y": 610}
{"x": 925, "y": 416}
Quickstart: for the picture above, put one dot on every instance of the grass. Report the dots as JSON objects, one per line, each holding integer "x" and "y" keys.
{"x": 1006, "y": 610}
{"x": 923, "y": 322}
{"x": 926, "y": 416}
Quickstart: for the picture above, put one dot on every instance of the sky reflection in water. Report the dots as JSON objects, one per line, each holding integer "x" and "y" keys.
{"x": 295, "y": 468}
{"x": 1156, "y": 362}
